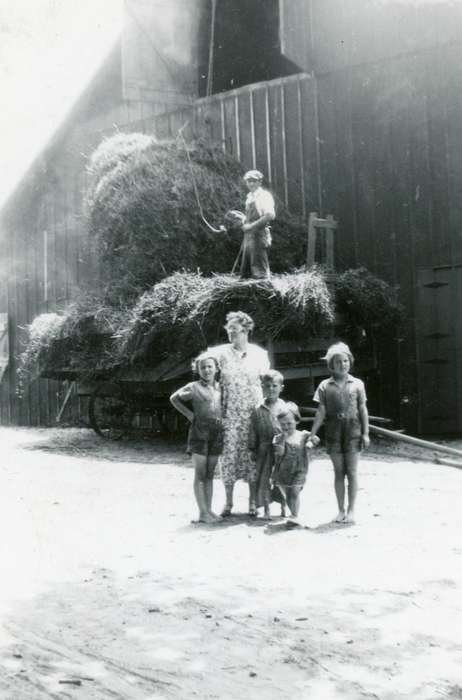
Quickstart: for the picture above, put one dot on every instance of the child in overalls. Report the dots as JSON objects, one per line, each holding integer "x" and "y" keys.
{"x": 205, "y": 439}
{"x": 259, "y": 211}
{"x": 342, "y": 405}
{"x": 291, "y": 467}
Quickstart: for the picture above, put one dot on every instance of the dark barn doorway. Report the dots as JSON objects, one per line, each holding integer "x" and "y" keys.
{"x": 240, "y": 45}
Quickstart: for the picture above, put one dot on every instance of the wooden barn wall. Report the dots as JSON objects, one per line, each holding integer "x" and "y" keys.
{"x": 378, "y": 145}
{"x": 45, "y": 256}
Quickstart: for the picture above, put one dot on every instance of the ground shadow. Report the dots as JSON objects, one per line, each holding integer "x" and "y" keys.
{"x": 77, "y": 442}
{"x": 231, "y": 521}
{"x": 330, "y": 526}
{"x": 276, "y": 528}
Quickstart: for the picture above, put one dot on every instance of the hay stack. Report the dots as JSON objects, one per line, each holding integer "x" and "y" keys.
{"x": 186, "y": 311}
{"x": 144, "y": 218}
{"x": 145, "y": 225}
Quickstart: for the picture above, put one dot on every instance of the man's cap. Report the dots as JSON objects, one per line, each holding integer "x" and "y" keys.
{"x": 253, "y": 175}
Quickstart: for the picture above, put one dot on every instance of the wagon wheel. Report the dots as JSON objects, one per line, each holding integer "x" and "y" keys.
{"x": 110, "y": 413}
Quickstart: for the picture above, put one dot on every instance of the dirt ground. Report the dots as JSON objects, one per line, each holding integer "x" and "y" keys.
{"x": 109, "y": 592}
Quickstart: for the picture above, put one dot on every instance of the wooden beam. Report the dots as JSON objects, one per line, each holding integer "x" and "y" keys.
{"x": 65, "y": 402}
{"x": 311, "y": 249}
{"x": 376, "y": 419}
{"x": 448, "y": 462}
{"x": 418, "y": 442}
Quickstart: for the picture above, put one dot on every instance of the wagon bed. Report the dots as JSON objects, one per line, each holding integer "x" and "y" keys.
{"x": 126, "y": 400}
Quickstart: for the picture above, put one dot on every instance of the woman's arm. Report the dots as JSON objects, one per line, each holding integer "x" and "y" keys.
{"x": 175, "y": 400}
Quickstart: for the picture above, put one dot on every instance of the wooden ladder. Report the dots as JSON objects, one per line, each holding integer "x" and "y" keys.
{"x": 327, "y": 227}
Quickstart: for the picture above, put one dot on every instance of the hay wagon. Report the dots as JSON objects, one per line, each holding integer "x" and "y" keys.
{"x": 133, "y": 401}
{"x": 124, "y": 401}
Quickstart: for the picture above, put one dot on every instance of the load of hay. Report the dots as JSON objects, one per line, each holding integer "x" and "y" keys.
{"x": 144, "y": 205}
{"x": 185, "y": 312}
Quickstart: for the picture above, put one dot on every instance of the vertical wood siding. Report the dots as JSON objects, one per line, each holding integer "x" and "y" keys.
{"x": 378, "y": 145}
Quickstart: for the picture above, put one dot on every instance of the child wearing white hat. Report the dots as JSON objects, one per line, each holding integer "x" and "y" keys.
{"x": 342, "y": 405}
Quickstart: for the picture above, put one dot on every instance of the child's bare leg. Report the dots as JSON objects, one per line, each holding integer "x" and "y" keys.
{"x": 200, "y": 479}
{"x": 351, "y": 462}
{"x": 252, "y": 498}
{"x": 339, "y": 484}
{"x": 267, "y": 509}
{"x": 266, "y": 506}
{"x": 229, "y": 489}
{"x": 283, "y": 501}
{"x": 211, "y": 464}
{"x": 267, "y": 500}
{"x": 295, "y": 501}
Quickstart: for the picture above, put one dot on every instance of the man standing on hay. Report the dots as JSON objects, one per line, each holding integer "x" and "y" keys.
{"x": 259, "y": 211}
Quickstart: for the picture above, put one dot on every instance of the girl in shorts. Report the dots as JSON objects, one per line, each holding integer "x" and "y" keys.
{"x": 291, "y": 458}
{"x": 342, "y": 405}
{"x": 205, "y": 438}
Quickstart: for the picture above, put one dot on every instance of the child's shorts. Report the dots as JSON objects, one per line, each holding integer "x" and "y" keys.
{"x": 352, "y": 445}
{"x": 205, "y": 440}
{"x": 343, "y": 436}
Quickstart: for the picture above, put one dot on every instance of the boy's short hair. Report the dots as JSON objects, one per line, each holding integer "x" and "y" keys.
{"x": 272, "y": 375}
{"x": 337, "y": 349}
{"x": 292, "y": 408}
{"x": 206, "y": 355}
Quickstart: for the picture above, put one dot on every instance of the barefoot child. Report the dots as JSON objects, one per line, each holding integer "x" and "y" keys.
{"x": 342, "y": 405}
{"x": 263, "y": 427}
{"x": 205, "y": 439}
{"x": 291, "y": 466}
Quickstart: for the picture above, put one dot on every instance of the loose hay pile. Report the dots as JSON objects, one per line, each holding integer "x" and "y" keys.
{"x": 366, "y": 301}
{"x": 186, "y": 311}
{"x": 144, "y": 215}
{"x": 144, "y": 221}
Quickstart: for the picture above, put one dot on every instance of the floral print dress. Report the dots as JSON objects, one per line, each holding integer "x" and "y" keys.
{"x": 240, "y": 373}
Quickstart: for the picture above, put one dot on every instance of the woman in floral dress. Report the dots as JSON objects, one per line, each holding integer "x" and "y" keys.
{"x": 241, "y": 366}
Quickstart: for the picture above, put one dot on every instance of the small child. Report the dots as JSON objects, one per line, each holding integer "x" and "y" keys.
{"x": 263, "y": 427}
{"x": 342, "y": 404}
{"x": 291, "y": 466}
{"x": 205, "y": 438}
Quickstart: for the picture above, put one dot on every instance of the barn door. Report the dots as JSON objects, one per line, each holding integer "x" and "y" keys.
{"x": 439, "y": 350}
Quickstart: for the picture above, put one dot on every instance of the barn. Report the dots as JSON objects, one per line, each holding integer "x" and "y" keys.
{"x": 350, "y": 109}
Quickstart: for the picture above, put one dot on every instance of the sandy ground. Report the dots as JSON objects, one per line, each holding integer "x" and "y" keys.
{"x": 108, "y": 590}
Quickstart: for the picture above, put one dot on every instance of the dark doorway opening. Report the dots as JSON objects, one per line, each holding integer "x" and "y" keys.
{"x": 246, "y": 45}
